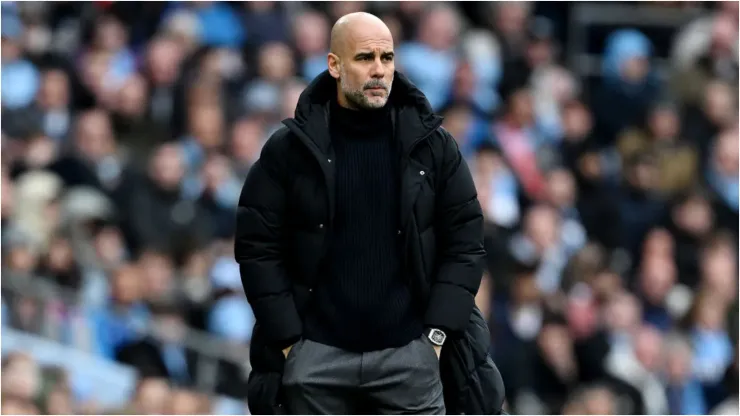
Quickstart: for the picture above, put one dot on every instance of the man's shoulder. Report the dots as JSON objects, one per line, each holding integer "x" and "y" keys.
{"x": 281, "y": 144}
{"x": 279, "y": 139}
{"x": 443, "y": 144}
{"x": 444, "y": 137}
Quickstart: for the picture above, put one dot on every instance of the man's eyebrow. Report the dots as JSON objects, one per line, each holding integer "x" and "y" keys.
{"x": 365, "y": 55}
{"x": 372, "y": 54}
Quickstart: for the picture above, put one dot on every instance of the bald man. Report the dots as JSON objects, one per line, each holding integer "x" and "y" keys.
{"x": 360, "y": 240}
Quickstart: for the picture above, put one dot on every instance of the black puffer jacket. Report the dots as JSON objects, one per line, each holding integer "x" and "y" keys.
{"x": 285, "y": 215}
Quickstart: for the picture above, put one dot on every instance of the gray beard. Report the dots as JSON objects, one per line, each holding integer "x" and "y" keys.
{"x": 357, "y": 98}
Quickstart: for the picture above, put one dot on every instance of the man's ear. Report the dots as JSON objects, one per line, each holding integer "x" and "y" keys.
{"x": 333, "y": 63}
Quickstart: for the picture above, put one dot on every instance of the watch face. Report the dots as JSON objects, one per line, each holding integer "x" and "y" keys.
{"x": 437, "y": 337}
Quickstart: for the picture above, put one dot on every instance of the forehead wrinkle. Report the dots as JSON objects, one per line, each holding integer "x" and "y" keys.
{"x": 373, "y": 44}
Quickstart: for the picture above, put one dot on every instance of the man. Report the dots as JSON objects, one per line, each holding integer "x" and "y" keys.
{"x": 360, "y": 239}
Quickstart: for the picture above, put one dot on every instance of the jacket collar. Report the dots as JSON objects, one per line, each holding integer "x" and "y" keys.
{"x": 412, "y": 115}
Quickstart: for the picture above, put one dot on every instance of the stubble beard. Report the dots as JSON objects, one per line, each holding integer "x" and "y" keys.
{"x": 357, "y": 98}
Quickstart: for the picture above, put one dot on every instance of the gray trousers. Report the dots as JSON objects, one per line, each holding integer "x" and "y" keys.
{"x": 319, "y": 379}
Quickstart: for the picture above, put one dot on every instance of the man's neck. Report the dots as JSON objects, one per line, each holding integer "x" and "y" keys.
{"x": 344, "y": 102}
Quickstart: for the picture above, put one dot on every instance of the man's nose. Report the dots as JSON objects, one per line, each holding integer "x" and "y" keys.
{"x": 378, "y": 69}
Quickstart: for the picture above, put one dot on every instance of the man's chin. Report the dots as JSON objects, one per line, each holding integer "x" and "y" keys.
{"x": 374, "y": 102}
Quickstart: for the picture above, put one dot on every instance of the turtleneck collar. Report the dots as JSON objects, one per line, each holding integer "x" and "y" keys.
{"x": 362, "y": 122}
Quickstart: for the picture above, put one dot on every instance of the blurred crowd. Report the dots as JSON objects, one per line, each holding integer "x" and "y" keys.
{"x": 31, "y": 389}
{"x": 611, "y": 199}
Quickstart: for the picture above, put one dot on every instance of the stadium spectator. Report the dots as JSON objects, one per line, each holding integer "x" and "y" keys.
{"x": 605, "y": 157}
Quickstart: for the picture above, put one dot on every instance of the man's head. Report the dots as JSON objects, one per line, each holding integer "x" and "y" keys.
{"x": 21, "y": 376}
{"x": 127, "y": 285}
{"x": 95, "y": 135}
{"x": 151, "y": 396}
{"x": 648, "y": 345}
{"x": 167, "y": 167}
{"x": 622, "y": 312}
{"x": 362, "y": 61}
{"x": 55, "y": 90}
{"x": 185, "y": 402}
{"x": 310, "y": 30}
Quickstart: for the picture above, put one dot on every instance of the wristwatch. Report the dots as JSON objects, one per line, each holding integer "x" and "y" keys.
{"x": 437, "y": 336}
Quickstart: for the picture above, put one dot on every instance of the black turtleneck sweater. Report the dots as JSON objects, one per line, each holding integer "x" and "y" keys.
{"x": 361, "y": 302}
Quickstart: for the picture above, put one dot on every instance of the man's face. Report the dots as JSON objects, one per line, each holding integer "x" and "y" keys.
{"x": 275, "y": 62}
{"x": 11, "y": 49}
{"x": 521, "y": 106}
{"x": 648, "y": 348}
{"x": 132, "y": 98}
{"x": 95, "y": 135}
{"x": 725, "y": 156}
{"x": 54, "y": 89}
{"x": 312, "y": 34}
{"x": 365, "y": 68}
{"x": 577, "y": 122}
{"x": 152, "y": 396}
{"x": 184, "y": 403}
{"x": 163, "y": 60}
{"x": 127, "y": 285}
{"x": 167, "y": 167}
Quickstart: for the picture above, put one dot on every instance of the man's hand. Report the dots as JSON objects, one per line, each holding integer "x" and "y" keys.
{"x": 437, "y": 350}
{"x": 287, "y": 351}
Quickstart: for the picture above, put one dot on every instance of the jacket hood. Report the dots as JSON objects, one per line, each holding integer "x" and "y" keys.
{"x": 404, "y": 94}
{"x": 412, "y": 114}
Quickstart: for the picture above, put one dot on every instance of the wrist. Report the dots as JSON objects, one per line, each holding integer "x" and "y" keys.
{"x": 288, "y": 343}
{"x": 286, "y": 351}
{"x": 436, "y": 336}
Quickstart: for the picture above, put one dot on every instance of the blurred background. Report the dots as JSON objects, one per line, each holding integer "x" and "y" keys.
{"x": 603, "y": 138}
